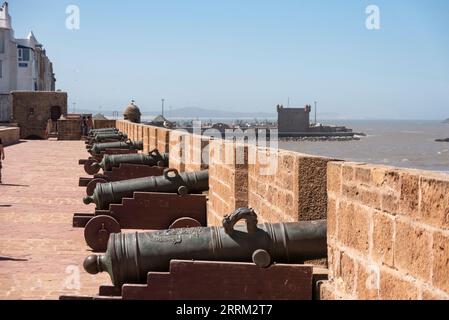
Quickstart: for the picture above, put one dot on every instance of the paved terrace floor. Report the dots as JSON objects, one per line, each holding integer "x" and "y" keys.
{"x": 41, "y": 255}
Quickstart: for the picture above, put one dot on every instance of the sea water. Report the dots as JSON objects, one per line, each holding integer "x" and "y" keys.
{"x": 409, "y": 144}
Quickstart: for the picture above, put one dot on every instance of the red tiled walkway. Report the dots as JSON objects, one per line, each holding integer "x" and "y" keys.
{"x": 41, "y": 255}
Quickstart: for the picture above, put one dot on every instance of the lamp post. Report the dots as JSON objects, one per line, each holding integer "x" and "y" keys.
{"x": 163, "y": 102}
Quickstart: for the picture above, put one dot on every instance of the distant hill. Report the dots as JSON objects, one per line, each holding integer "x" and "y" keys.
{"x": 194, "y": 112}
{"x": 446, "y": 121}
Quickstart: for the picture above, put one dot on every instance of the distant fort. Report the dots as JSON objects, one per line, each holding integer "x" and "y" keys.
{"x": 295, "y": 122}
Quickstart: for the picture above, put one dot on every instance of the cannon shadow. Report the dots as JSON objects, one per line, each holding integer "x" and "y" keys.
{"x": 12, "y": 259}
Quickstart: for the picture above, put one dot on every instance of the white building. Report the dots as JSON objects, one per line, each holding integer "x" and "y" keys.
{"x": 24, "y": 64}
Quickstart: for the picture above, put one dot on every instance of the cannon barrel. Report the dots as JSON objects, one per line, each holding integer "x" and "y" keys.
{"x": 128, "y": 145}
{"x": 102, "y": 129}
{"x": 99, "y": 131}
{"x": 92, "y": 138}
{"x": 131, "y": 256}
{"x": 107, "y": 133}
{"x": 153, "y": 158}
{"x": 171, "y": 182}
{"x": 118, "y": 136}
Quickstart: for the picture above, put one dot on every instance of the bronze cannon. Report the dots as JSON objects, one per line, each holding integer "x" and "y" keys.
{"x": 95, "y": 131}
{"x": 153, "y": 158}
{"x": 130, "y": 257}
{"x": 171, "y": 182}
{"x": 106, "y": 137}
{"x": 126, "y": 145}
{"x": 92, "y": 134}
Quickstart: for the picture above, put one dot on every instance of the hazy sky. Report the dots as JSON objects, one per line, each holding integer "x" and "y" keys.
{"x": 248, "y": 55}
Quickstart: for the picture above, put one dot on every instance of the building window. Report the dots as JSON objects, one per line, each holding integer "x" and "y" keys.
{"x": 24, "y": 54}
{"x": 1, "y": 69}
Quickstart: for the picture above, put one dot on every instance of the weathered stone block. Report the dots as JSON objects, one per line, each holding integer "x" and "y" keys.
{"x": 327, "y": 291}
{"x": 432, "y": 294}
{"x": 394, "y": 287}
{"x": 390, "y": 202}
{"x": 368, "y": 282}
{"x": 412, "y": 250}
{"x": 9, "y": 136}
{"x": 371, "y": 198}
{"x": 409, "y": 198}
{"x": 334, "y": 172}
{"x": 350, "y": 191}
{"x": 383, "y": 242}
{"x": 230, "y": 180}
{"x": 312, "y": 183}
{"x": 348, "y": 172}
{"x": 146, "y": 139}
{"x": 332, "y": 218}
{"x": 347, "y": 273}
{"x": 435, "y": 201}
{"x": 353, "y": 226}
{"x": 440, "y": 267}
{"x": 363, "y": 174}
{"x": 163, "y": 139}
{"x": 386, "y": 178}
{"x": 153, "y": 138}
{"x": 102, "y": 123}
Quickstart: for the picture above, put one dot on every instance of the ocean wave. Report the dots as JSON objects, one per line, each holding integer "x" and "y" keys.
{"x": 412, "y": 132}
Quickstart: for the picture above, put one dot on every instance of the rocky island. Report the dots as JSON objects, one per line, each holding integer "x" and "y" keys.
{"x": 447, "y": 139}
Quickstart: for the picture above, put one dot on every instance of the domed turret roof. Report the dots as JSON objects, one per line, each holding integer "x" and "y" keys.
{"x": 132, "y": 113}
{"x": 132, "y": 109}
